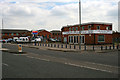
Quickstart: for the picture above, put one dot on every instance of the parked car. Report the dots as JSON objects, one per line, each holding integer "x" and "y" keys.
{"x": 10, "y": 40}
{"x": 36, "y": 40}
{"x": 22, "y": 39}
{"x": 53, "y": 40}
{"x": 3, "y": 41}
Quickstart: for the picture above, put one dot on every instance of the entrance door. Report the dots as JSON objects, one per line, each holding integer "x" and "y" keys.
{"x": 82, "y": 38}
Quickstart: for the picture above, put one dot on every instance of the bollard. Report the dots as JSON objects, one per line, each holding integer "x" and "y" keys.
{"x": 70, "y": 46}
{"x": 117, "y": 46}
{"x": 113, "y": 46}
{"x": 85, "y": 47}
{"x": 101, "y": 47}
{"x": 93, "y": 48}
{"x": 48, "y": 45}
{"x": 19, "y": 47}
{"x": 110, "y": 47}
{"x": 40, "y": 44}
{"x": 61, "y": 46}
{"x": 51, "y": 45}
{"x": 74, "y": 46}
{"x": 106, "y": 47}
{"x": 66, "y": 46}
{"x": 58, "y": 45}
{"x": 35, "y": 43}
{"x": 54, "y": 45}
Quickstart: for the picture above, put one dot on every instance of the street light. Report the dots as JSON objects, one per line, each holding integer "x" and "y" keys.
{"x": 80, "y": 24}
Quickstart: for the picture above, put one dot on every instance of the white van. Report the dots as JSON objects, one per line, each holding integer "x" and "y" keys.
{"x": 22, "y": 39}
{"x": 15, "y": 39}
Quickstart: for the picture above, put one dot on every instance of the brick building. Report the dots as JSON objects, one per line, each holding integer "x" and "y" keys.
{"x": 116, "y": 37}
{"x": 10, "y": 33}
{"x": 56, "y": 34}
{"x": 45, "y": 34}
{"x": 91, "y": 33}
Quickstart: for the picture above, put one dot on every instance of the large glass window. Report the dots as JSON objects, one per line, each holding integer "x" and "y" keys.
{"x": 75, "y": 39}
{"x": 101, "y": 38}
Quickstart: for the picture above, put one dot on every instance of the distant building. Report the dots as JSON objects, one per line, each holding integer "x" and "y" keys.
{"x": 91, "y": 33}
{"x": 10, "y": 33}
{"x": 45, "y": 34}
{"x": 56, "y": 34}
{"x": 116, "y": 37}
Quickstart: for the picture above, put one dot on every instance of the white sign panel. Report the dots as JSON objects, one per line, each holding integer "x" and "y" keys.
{"x": 89, "y": 32}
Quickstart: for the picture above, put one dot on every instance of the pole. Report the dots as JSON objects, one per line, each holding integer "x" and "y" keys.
{"x": 80, "y": 24}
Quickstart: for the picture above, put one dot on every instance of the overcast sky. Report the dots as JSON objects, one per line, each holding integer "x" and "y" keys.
{"x": 54, "y": 14}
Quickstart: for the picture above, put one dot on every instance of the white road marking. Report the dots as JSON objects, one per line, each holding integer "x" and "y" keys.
{"x": 38, "y": 58}
{"x": 5, "y": 64}
{"x": 88, "y": 67}
{"x": 19, "y": 54}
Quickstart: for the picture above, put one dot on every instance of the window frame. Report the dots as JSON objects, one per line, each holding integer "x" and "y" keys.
{"x": 99, "y": 40}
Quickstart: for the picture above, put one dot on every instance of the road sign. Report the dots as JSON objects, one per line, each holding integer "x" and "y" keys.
{"x": 34, "y": 32}
{"x": 19, "y": 47}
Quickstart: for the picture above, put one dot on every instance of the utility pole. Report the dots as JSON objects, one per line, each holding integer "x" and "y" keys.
{"x": 80, "y": 24}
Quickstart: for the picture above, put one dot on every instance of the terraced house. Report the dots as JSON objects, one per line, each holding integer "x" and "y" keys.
{"x": 88, "y": 33}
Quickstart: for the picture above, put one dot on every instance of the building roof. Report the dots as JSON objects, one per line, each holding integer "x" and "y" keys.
{"x": 55, "y": 31}
{"x": 13, "y": 31}
{"x": 89, "y": 23}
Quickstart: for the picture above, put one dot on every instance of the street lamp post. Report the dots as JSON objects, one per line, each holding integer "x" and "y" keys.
{"x": 80, "y": 24}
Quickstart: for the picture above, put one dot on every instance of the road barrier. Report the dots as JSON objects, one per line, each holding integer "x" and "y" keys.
{"x": 83, "y": 47}
{"x": 19, "y": 47}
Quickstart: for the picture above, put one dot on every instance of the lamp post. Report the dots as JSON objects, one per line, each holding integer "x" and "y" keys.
{"x": 80, "y": 24}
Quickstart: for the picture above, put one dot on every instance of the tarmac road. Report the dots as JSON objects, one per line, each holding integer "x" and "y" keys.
{"x": 37, "y": 63}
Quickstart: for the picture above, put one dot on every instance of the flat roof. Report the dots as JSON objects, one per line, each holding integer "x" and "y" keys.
{"x": 89, "y": 23}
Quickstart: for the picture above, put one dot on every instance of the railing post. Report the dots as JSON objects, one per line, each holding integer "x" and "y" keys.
{"x": 74, "y": 47}
{"x": 62, "y": 46}
{"x": 35, "y": 43}
{"x": 93, "y": 48}
{"x": 106, "y": 47}
{"x": 110, "y": 47}
{"x": 58, "y": 45}
{"x": 48, "y": 45}
{"x": 101, "y": 47}
{"x": 54, "y": 45}
{"x": 40, "y": 44}
{"x": 113, "y": 46}
{"x": 117, "y": 46}
{"x": 85, "y": 47}
{"x": 51, "y": 45}
{"x": 66, "y": 46}
{"x": 70, "y": 46}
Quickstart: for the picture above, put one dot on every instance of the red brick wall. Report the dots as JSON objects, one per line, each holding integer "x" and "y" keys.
{"x": 44, "y": 33}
